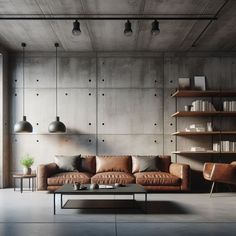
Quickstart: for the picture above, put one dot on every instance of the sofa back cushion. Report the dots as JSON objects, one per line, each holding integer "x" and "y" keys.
{"x": 113, "y": 163}
{"x": 144, "y": 163}
{"x": 67, "y": 163}
{"x": 164, "y": 163}
{"x": 148, "y": 164}
{"x": 88, "y": 164}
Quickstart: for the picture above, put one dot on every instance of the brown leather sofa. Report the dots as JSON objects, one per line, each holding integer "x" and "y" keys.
{"x": 117, "y": 169}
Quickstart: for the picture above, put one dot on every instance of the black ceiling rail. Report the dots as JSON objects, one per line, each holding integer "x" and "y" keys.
{"x": 107, "y": 17}
{"x": 194, "y": 44}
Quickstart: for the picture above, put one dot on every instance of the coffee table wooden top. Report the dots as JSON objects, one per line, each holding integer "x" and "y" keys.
{"x": 127, "y": 189}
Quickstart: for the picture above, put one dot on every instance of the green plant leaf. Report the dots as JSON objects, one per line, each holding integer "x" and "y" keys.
{"x": 27, "y": 161}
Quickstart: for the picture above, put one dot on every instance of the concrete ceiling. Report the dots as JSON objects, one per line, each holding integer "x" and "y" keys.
{"x": 108, "y": 35}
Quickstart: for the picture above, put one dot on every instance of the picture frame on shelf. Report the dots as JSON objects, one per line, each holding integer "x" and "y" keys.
{"x": 200, "y": 83}
{"x": 184, "y": 83}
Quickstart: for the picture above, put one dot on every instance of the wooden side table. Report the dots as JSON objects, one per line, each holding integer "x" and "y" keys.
{"x": 21, "y": 177}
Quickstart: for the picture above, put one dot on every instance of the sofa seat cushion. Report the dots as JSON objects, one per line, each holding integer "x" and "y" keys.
{"x": 157, "y": 178}
{"x": 69, "y": 178}
{"x": 112, "y": 178}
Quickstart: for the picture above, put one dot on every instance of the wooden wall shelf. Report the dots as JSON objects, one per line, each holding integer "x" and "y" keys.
{"x": 202, "y": 152}
{"x": 207, "y": 93}
{"x": 184, "y": 133}
{"x": 203, "y": 113}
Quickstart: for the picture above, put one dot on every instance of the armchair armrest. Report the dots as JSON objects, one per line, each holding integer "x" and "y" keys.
{"x": 220, "y": 172}
{"x": 43, "y": 172}
{"x": 183, "y": 172}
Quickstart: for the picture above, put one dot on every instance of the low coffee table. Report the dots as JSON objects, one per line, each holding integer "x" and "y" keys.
{"x": 67, "y": 189}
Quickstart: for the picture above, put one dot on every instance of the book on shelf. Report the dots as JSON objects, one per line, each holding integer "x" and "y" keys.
{"x": 197, "y": 149}
{"x": 232, "y": 146}
{"x": 226, "y": 106}
{"x": 216, "y": 147}
{"x": 202, "y": 105}
{"x": 229, "y": 106}
{"x": 227, "y": 146}
{"x": 232, "y": 106}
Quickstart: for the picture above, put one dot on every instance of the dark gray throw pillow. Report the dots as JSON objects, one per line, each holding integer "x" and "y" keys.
{"x": 67, "y": 163}
{"x": 148, "y": 163}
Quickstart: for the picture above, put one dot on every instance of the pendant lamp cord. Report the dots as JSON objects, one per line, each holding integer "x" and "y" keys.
{"x": 56, "y": 45}
{"x": 23, "y": 73}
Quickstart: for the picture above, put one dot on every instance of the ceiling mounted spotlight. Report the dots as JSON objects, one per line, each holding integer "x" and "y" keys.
{"x": 155, "y": 28}
{"x": 76, "y": 28}
{"x": 128, "y": 30}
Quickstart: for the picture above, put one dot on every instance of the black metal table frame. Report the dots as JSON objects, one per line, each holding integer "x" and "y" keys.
{"x": 32, "y": 183}
{"x": 92, "y": 193}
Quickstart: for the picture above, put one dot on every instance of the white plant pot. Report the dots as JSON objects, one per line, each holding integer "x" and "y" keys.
{"x": 26, "y": 171}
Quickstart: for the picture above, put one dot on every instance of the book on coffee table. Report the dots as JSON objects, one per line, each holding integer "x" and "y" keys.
{"x": 103, "y": 186}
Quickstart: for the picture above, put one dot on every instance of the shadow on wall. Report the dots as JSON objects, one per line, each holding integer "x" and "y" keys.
{"x": 78, "y": 141}
{"x": 90, "y": 143}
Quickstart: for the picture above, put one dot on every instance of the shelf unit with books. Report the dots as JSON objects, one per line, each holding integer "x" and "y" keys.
{"x": 231, "y": 149}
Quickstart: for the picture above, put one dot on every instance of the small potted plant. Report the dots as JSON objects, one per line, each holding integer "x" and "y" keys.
{"x": 27, "y": 161}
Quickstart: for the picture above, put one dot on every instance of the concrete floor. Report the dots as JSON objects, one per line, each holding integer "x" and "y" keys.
{"x": 31, "y": 214}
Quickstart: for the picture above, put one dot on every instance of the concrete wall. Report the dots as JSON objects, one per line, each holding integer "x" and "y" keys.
{"x": 4, "y": 120}
{"x": 110, "y": 103}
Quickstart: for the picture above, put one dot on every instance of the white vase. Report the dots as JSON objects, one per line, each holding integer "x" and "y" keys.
{"x": 26, "y": 170}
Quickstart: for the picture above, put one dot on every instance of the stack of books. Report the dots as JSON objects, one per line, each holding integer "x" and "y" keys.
{"x": 224, "y": 146}
{"x": 202, "y": 105}
{"x": 229, "y": 106}
{"x": 196, "y": 128}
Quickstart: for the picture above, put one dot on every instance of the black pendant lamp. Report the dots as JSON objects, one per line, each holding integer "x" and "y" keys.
{"x": 23, "y": 126}
{"x": 56, "y": 126}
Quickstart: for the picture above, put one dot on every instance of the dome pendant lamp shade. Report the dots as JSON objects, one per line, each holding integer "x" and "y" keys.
{"x": 23, "y": 126}
{"x": 76, "y": 28}
{"x": 155, "y": 28}
{"x": 128, "y": 29}
{"x": 56, "y": 126}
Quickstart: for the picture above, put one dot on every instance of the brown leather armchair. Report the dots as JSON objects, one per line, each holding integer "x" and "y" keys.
{"x": 220, "y": 172}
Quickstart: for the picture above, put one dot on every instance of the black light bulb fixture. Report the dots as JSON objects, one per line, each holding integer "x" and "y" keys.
{"x": 23, "y": 126}
{"x": 128, "y": 29}
{"x": 155, "y": 28}
{"x": 56, "y": 126}
{"x": 76, "y": 28}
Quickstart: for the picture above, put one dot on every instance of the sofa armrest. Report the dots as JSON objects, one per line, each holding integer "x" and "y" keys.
{"x": 43, "y": 172}
{"x": 220, "y": 172}
{"x": 183, "y": 172}
{"x": 207, "y": 170}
